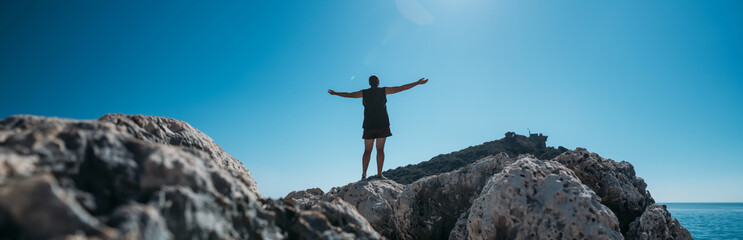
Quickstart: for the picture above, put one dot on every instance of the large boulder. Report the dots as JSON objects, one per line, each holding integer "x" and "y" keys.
{"x": 179, "y": 133}
{"x": 141, "y": 177}
{"x": 656, "y": 223}
{"x": 429, "y": 207}
{"x": 334, "y": 219}
{"x": 534, "y": 199}
{"x": 374, "y": 199}
{"x": 425, "y": 209}
{"x": 305, "y": 199}
{"x": 615, "y": 182}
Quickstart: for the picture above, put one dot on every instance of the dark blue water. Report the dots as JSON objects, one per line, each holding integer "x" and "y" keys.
{"x": 709, "y": 220}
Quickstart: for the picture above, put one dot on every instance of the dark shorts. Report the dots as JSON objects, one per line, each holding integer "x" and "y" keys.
{"x": 376, "y": 133}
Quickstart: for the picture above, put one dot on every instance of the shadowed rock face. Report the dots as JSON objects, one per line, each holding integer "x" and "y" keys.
{"x": 512, "y": 144}
{"x": 142, "y": 177}
{"x": 429, "y": 208}
{"x": 615, "y": 182}
{"x": 425, "y": 209}
{"x": 656, "y": 223}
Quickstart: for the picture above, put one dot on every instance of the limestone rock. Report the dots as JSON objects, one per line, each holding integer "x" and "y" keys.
{"x": 38, "y": 205}
{"x": 343, "y": 215}
{"x": 179, "y": 133}
{"x": 512, "y": 144}
{"x": 139, "y": 221}
{"x": 425, "y": 209}
{"x": 429, "y": 207}
{"x": 305, "y": 199}
{"x": 615, "y": 182}
{"x": 335, "y": 219}
{"x": 534, "y": 199}
{"x": 140, "y": 177}
{"x": 656, "y": 223}
{"x": 374, "y": 199}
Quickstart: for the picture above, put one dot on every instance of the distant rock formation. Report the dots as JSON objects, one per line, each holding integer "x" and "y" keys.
{"x": 512, "y": 144}
{"x": 576, "y": 194}
{"x": 141, "y": 177}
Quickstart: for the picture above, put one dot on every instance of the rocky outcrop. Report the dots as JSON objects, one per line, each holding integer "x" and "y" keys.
{"x": 305, "y": 199}
{"x": 534, "y": 199}
{"x": 334, "y": 219}
{"x": 615, "y": 182}
{"x": 140, "y": 177}
{"x": 656, "y": 223}
{"x": 568, "y": 197}
{"x": 425, "y": 209}
{"x": 374, "y": 199}
{"x": 143, "y": 177}
{"x": 512, "y": 144}
{"x": 179, "y": 133}
{"x": 429, "y": 208}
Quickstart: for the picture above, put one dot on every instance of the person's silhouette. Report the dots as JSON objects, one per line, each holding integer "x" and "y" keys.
{"x": 376, "y": 121}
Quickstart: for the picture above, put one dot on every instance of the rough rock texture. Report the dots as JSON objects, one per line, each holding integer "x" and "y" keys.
{"x": 656, "y": 223}
{"x": 441, "y": 206}
{"x": 179, "y": 133}
{"x": 304, "y": 199}
{"x": 140, "y": 177}
{"x": 429, "y": 208}
{"x": 425, "y": 209}
{"x": 534, "y": 199}
{"x": 334, "y": 219}
{"x": 512, "y": 144}
{"x": 615, "y": 182}
{"x": 374, "y": 200}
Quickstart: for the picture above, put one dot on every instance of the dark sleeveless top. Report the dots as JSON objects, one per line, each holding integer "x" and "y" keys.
{"x": 375, "y": 108}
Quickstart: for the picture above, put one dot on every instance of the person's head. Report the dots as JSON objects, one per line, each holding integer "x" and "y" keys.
{"x": 373, "y": 81}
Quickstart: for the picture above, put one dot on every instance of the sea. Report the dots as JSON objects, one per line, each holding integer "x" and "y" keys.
{"x": 709, "y": 220}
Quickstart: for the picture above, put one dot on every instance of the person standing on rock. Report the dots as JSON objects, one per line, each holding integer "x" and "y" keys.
{"x": 376, "y": 121}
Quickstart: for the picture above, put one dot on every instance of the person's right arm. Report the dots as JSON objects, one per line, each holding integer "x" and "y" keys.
{"x": 393, "y": 90}
{"x": 356, "y": 94}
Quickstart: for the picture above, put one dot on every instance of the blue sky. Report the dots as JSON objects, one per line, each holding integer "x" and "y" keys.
{"x": 656, "y": 83}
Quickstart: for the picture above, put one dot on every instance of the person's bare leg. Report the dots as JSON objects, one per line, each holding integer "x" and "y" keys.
{"x": 368, "y": 143}
{"x": 380, "y": 155}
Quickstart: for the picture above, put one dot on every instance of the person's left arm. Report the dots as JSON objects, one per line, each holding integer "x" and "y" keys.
{"x": 393, "y": 90}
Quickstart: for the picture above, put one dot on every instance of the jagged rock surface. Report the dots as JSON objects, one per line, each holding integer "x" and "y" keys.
{"x": 439, "y": 206}
{"x": 305, "y": 199}
{"x": 512, "y": 144}
{"x": 534, "y": 199}
{"x": 374, "y": 199}
{"x": 429, "y": 208}
{"x": 615, "y": 182}
{"x": 425, "y": 209}
{"x": 334, "y": 219}
{"x": 656, "y": 223}
{"x": 140, "y": 177}
{"x": 179, "y": 133}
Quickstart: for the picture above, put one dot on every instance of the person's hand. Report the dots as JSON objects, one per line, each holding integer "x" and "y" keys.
{"x": 331, "y": 92}
{"x": 422, "y": 81}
